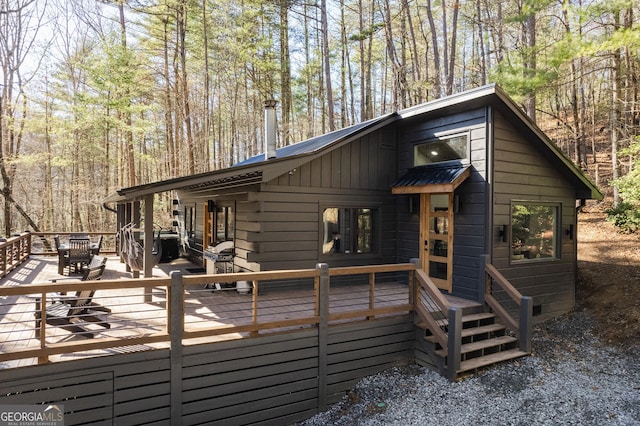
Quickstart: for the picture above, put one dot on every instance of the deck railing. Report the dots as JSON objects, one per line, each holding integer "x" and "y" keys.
{"x": 43, "y": 243}
{"x": 14, "y": 251}
{"x": 188, "y": 309}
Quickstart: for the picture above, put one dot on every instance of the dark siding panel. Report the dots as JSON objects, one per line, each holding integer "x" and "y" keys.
{"x": 522, "y": 174}
{"x": 469, "y": 221}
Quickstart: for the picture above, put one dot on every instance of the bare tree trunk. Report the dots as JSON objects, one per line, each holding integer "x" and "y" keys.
{"x": 437, "y": 81}
{"x": 206, "y": 134}
{"x": 131, "y": 167}
{"x": 615, "y": 118}
{"x": 285, "y": 73}
{"x": 327, "y": 64}
{"x": 529, "y": 35}
{"x": 168, "y": 107}
{"x": 181, "y": 29}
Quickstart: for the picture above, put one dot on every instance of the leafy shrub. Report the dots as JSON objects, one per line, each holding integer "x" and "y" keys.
{"x": 625, "y": 216}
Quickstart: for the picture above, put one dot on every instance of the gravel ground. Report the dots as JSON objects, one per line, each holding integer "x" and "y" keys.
{"x": 571, "y": 379}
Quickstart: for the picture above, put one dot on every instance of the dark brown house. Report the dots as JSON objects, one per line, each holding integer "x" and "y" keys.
{"x": 455, "y": 182}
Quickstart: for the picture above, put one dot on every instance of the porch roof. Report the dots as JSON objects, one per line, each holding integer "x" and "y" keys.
{"x": 431, "y": 178}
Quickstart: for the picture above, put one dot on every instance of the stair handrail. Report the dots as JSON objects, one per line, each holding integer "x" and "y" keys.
{"x": 523, "y": 327}
{"x": 442, "y": 303}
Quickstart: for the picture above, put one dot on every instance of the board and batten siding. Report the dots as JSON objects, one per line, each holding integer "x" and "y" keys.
{"x": 470, "y": 219}
{"x": 287, "y": 223}
{"x": 522, "y": 173}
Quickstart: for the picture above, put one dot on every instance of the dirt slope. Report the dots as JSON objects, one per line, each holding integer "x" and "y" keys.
{"x": 609, "y": 276}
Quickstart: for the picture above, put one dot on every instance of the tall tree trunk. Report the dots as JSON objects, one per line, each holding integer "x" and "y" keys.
{"x": 130, "y": 152}
{"x": 530, "y": 62}
{"x": 182, "y": 54}
{"x": 437, "y": 81}
{"x": 206, "y": 134}
{"x": 326, "y": 58}
{"x": 285, "y": 73}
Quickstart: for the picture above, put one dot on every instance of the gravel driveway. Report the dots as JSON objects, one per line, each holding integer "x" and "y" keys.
{"x": 571, "y": 379}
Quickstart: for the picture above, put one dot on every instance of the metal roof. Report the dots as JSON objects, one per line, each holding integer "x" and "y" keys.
{"x": 432, "y": 178}
{"x": 317, "y": 143}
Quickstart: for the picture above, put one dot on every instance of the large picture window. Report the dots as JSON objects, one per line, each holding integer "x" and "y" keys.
{"x": 534, "y": 230}
{"x": 349, "y": 230}
{"x": 441, "y": 150}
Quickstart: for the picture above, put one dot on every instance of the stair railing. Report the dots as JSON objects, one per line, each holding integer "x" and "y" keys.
{"x": 523, "y": 325}
{"x": 429, "y": 296}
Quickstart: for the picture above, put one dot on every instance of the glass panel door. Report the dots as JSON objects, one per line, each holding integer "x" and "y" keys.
{"x": 436, "y": 231}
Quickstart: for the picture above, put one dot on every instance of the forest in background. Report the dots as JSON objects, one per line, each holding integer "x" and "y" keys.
{"x": 99, "y": 95}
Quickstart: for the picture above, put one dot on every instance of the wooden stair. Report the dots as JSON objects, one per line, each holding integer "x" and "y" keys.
{"x": 485, "y": 341}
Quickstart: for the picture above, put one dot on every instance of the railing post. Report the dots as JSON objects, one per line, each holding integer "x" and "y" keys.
{"x": 482, "y": 278}
{"x": 323, "y": 334}
{"x": 454, "y": 341}
{"x": 526, "y": 326}
{"x": 176, "y": 327}
{"x": 28, "y": 248}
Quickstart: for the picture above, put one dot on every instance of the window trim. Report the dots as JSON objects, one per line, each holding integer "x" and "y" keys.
{"x": 377, "y": 230}
{"x": 444, "y": 137}
{"x": 557, "y": 236}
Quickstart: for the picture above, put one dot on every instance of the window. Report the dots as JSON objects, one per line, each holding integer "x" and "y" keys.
{"x": 225, "y": 224}
{"x": 189, "y": 222}
{"x": 441, "y": 150}
{"x": 534, "y": 230}
{"x": 349, "y": 230}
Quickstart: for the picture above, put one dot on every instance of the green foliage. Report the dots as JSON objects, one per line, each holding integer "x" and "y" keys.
{"x": 625, "y": 216}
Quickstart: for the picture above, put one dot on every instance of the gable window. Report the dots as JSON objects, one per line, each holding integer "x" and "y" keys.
{"x": 534, "y": 230}
{"x": 349, "y": 230}
{"x": 450, "y": 148}
{"x": 225, "y": 224}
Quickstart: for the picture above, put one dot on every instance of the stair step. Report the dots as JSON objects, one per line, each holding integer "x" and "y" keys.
{"x": 483, "y": 361}
{"x": 475, "y": 331}
{"x": 466, "y": 332}
{"x": 480, "y": 345}
{"x": 465, "y": 319}
{"x": 471, "y": 318}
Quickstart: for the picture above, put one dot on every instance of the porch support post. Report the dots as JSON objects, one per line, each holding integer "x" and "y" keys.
{"x": 175, "y": 318}
{"x": 526, "y": 320}
{"x": 454, "y": 341}
{"x": 148, "y": 244}
{"x": 323, "y": 334}
{"x": 136, "y": 221}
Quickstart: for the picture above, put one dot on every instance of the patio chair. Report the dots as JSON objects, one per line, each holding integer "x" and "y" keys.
{"x": 79, "y": 253}
{"x": 71, "y": 313}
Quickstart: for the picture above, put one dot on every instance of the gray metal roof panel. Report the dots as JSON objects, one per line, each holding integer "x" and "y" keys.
{"x": 431, "y": 174}
{"x": 315, "y": 144}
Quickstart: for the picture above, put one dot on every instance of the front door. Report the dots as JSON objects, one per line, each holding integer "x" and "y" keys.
{"x": 436, "y": 237}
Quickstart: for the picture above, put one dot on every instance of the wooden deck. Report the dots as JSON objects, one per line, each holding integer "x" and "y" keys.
{"x": 138, "y": 312}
